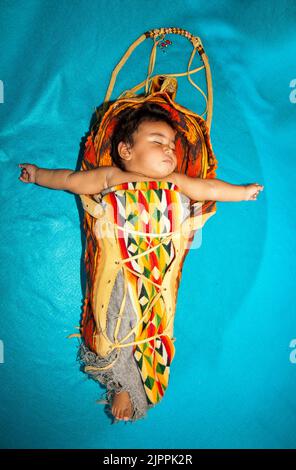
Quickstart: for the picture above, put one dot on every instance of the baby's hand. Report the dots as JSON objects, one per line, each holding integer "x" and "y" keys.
{"x": 252, "y": 191}
{"x": 28, "y": 174}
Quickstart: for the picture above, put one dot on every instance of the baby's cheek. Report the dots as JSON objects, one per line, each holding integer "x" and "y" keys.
{"x": 149, "y": 160}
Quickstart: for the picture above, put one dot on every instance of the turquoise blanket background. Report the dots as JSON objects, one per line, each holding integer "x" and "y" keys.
{"x": 232, "y": 382}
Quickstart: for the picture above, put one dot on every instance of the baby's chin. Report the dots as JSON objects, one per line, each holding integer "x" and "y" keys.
{"x": 161, "y": 174}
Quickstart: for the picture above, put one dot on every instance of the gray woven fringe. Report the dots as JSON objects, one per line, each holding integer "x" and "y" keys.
{"x": 124, "y": 374}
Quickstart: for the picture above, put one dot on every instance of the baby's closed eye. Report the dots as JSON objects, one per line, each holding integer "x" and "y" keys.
{"x": 160, "y": 143}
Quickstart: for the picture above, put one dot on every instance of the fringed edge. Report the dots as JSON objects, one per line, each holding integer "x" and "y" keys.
{"x": 87, "y": 357}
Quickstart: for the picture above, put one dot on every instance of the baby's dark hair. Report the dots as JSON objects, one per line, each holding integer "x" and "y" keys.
{"x": 129, "y": 121}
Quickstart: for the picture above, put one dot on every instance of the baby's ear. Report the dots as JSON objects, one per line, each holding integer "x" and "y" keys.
{"x": 124, "y": 150}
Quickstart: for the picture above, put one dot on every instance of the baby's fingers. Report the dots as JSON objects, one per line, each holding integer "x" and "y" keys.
{"x": 23, "y": 180}
{"x": 25, "y": 176}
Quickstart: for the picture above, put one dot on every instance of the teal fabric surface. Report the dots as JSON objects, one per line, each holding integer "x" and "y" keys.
{"x": 232, "y": 382}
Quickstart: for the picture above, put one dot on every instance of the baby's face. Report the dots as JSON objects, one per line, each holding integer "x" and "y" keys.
{"x": 151, "y": 155}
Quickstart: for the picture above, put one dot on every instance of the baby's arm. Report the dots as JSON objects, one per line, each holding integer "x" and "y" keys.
{"x": 212, "y": 189}
{"x": 78, "y": 182}
{"x": 88, "y": 181}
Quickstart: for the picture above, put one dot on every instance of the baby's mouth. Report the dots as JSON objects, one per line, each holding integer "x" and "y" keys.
{"x": 168, "y": 159}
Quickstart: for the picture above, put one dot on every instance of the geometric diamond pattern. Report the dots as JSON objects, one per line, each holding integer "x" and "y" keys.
{"x": 153, "y": 356}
